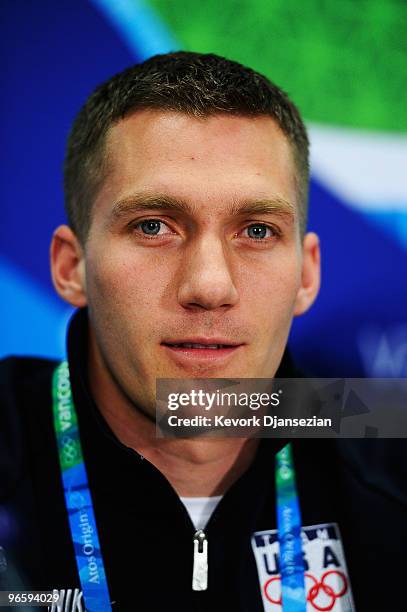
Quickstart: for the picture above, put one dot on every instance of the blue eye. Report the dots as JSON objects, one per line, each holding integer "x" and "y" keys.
{"x": 259, "y": 231}
{"x": 151, "y": 227}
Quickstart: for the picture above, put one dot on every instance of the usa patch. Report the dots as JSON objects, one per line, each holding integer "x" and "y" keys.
{"x": 327, "y": 584}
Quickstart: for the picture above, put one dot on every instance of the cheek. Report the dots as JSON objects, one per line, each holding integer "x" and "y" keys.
{"x": 125, "y": 280}
{"x": 270, "y": 290}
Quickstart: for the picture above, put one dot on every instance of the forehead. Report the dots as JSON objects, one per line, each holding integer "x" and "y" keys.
{"x": 210, "y": 161}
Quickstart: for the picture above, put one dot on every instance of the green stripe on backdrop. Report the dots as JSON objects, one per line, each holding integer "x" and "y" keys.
{"x": 343, "y": 61}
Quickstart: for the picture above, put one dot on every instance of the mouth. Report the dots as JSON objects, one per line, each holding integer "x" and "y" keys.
{"x": 194, "y": 351}
{"x": 198, "y": 345}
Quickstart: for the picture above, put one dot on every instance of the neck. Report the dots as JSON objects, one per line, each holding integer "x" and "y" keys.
{"x": 194, "y": 467}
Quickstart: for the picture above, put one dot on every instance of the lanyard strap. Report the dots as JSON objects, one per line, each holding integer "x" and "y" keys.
{"x": 77, "y": 495}
{"x": 289, "y": 534}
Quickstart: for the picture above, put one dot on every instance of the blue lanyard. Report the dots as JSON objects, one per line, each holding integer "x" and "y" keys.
{"x": 78, "y": 499}
{"x": 289, "y": 534}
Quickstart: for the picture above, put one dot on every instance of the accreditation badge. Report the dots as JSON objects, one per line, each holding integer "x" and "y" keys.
{"x": 327, "y": 583}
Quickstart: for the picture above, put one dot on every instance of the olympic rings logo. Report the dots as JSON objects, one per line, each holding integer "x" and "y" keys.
{"x": 315, "y": 589}
{"x": 69, "y": 449}
{"x": 285, "y": 472}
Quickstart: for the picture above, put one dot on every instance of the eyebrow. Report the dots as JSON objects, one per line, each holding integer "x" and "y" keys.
{"x": 144, "y": 202}
{"x": 273, "y": 206}
{"x": 137, "y": 203}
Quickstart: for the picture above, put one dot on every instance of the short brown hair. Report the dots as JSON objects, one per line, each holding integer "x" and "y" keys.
{"x": 196, "y": 84}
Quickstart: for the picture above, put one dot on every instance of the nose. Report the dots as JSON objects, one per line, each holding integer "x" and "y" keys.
{"x": 206, "y": 279}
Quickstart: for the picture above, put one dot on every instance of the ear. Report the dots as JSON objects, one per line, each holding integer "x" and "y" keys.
{"x": 310, "y": 276}
{"x": 68, "y": 266}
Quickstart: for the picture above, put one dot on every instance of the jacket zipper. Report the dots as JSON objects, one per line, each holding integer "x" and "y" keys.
{"x": 200, "y": 566}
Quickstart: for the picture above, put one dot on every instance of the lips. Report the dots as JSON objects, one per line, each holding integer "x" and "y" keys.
{"x": 190, "y": 353}
{"x": 197, "y": 345}
{"x": 215, "y": 343}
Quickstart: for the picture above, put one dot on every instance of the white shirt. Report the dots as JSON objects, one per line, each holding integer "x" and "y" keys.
{"x": 200, "y": 509}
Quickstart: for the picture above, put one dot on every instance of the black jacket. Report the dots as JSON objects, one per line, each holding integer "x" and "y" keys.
{"x": 145, "y": 532}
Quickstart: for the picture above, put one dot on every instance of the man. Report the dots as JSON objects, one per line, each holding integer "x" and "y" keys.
{"x": 187, "y": 255}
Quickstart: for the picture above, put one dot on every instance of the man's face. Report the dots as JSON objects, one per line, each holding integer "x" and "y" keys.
{"x": 194, "y": 259}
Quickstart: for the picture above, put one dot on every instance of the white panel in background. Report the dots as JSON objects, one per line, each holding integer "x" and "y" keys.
{"x": 368, "y": 170}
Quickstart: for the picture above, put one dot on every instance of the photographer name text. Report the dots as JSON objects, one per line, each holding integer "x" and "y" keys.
{"x": 253, "y": 421}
